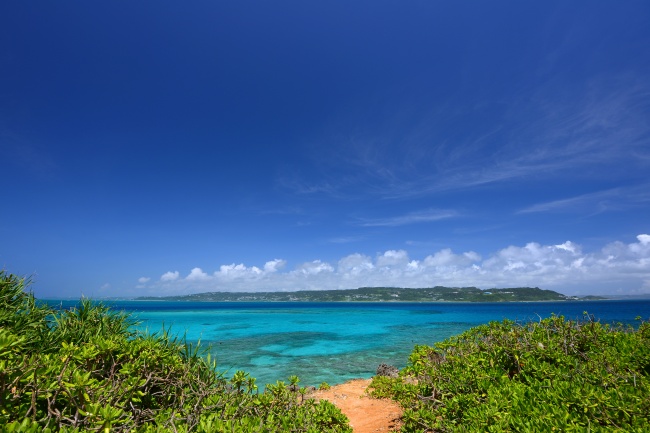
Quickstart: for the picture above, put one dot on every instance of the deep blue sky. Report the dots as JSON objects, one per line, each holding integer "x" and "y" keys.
{"x": 160, "y": 147}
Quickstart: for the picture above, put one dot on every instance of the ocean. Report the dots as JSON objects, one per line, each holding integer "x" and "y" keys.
{"x": 336, "y": 342}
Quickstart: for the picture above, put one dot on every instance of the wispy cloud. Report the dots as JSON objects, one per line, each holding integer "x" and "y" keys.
{"x": 616, "y": 268}
{"x": 597, "y": 132}
{"x": 345, "y": 239}
{"x": 430, "y": 215}
{"x": 570, "y": 203}
{"x": 287, "y": 210}
{"x": 614, "y": 199}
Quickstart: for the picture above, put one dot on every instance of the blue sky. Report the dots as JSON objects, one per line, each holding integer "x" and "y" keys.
{"x": 160, "y": 147}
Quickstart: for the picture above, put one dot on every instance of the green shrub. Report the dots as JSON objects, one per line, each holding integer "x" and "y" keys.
{"x": 86, "y": 369}
{"x": 552, "y": 375}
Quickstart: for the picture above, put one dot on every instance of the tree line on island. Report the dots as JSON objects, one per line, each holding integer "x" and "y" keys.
{"x": 384, "y": 294}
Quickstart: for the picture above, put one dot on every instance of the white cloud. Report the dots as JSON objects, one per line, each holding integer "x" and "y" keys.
{"x": 170, "y": 276}
{"x": 393, "y": 258}
{"x": 447, "y": 258}
{"x": 568, "y": 246}
{"x": 274, "y": 265}
{"x": 314, "y": 268}
{"x": 197, "y": 274}
{"x": 143, "y": 280}
{"x": 229, "y": 272}
{"x": 563, "y": 267}
{"x": 355, "y": 264}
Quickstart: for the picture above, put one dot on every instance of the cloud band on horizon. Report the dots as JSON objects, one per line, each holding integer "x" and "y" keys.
{"x": 615, "y": 268}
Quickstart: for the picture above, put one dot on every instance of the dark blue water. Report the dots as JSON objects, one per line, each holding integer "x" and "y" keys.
{"x": 335, "y": 342}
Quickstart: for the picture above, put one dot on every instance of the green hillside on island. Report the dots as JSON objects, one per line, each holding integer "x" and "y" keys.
{"x": 383, "y": 294}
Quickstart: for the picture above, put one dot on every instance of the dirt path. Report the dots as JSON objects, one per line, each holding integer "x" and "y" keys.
{"x": 366, "y": 414}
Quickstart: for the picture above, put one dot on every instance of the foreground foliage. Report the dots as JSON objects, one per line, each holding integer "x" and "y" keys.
{"x": 86, "y": 369}
{"x": 554, "y": 375}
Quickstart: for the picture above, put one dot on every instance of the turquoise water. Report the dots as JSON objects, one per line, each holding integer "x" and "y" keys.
{"x": 335, "y": 342}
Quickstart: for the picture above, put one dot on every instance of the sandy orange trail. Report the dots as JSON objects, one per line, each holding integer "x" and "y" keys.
{"x": 366, "y": 414}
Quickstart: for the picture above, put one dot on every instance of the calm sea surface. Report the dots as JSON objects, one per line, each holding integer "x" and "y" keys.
{"x": 335, "y": 342}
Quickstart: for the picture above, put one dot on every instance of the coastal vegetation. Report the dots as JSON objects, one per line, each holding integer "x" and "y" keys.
{"x": 551, "y": 375}
{"x": 383, "y": 294}
{"x": 87, "y": 369}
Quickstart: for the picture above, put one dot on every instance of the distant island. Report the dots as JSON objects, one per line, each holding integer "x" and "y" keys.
{"x": 383, "y": 294}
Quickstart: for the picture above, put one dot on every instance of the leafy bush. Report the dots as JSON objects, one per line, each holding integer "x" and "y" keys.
{"x": 86, "y": 369}
{"x": 552, "y": 375}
